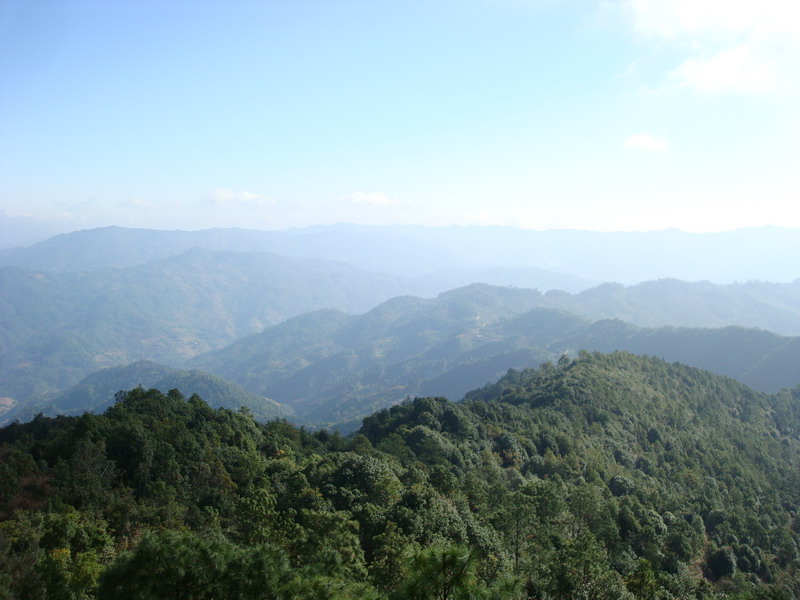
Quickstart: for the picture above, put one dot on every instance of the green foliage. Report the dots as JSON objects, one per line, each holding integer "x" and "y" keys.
{"x": 441, "y": 573}
{"x": 180, "y": 565}
{"x": 604, "y": 476}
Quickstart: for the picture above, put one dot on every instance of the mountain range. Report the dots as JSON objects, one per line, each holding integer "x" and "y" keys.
{"x": 330, "y": 366}
{"x": 108, "y": 297}
{"x": 758, "y": 253}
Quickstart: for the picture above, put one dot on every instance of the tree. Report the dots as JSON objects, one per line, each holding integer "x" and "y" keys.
{"x": 641, "y": 582}
{"x": 185, "y": 566}
{"x": 440, "y": 573}
{"x": 582, "y": 572}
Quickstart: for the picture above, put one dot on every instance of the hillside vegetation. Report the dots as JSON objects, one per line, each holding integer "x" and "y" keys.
{"x": 604, "y": 477}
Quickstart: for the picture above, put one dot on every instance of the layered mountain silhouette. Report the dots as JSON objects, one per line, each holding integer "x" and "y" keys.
{"x": 330, "y": 366}
{"x": 84, "y": 301}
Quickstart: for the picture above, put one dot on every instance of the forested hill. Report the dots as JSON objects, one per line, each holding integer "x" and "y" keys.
{"x": 603, "y": 477}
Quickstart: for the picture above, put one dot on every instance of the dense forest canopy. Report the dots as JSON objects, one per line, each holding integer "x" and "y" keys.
{"x": 606, "y": 476}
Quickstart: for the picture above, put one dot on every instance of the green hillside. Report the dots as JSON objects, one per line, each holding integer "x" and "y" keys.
{"x": 604, "y": 477}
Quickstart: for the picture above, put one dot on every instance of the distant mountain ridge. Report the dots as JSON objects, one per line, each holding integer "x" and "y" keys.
{"x": 670, "y": 302}
{"x": 332, "y": 367}
{"x": 66, "y": 310}
{"x": 758, "y": 253}
{"x": 59, "y": 327}
{"x": 56, "y": 328}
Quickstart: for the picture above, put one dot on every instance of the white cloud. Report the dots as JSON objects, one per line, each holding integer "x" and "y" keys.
{"x": 632, "y": 70}
{"x": 372, "y": 198}
{"x": 693, "y": 18}
{"x": 646, "y": 141}
{"x": 223, "y": 197}
{"x": 139, "y": 203}
{"x": 738, "y": 69}
{"x": 733, "y": 46}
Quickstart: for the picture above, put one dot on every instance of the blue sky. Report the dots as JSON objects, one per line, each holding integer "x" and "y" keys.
{"x": 587, "y": 114}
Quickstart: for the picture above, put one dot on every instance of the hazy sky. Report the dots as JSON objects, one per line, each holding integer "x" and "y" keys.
{"x": 609, "y": 115}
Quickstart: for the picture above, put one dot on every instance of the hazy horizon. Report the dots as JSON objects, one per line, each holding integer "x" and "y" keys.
{"x": 624, "y": 115}
{"x": 15, "y": 232}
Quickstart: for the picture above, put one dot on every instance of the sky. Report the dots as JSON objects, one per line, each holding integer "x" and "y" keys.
{"x": 611, "y": 115}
